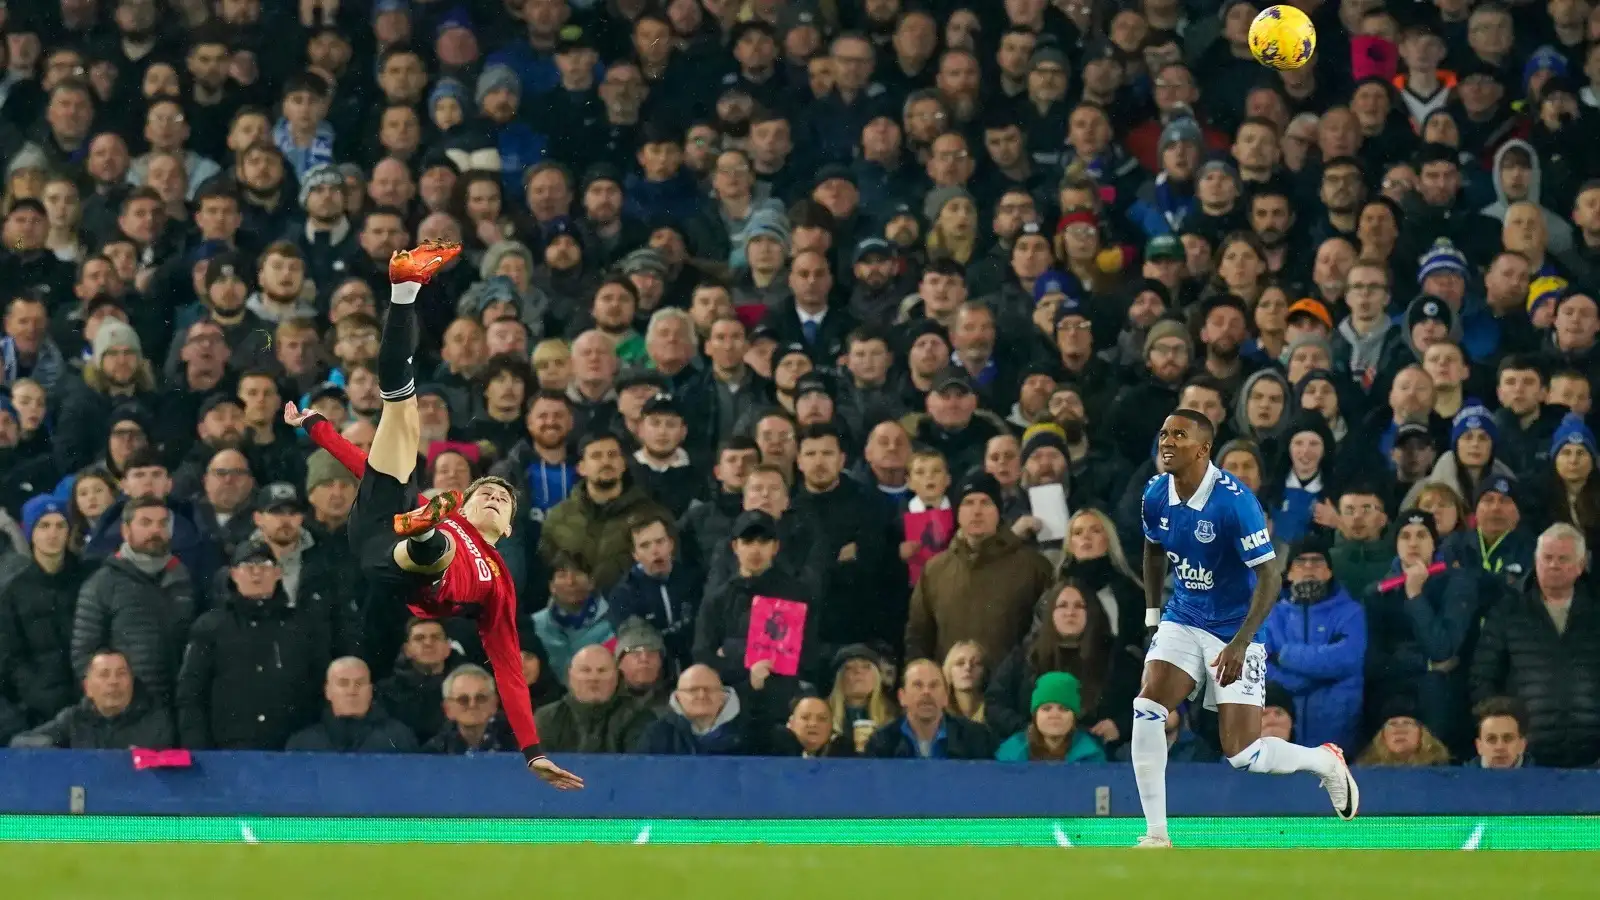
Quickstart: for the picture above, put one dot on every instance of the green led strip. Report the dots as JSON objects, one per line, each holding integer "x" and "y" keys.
{"x": 1398, "y": 833}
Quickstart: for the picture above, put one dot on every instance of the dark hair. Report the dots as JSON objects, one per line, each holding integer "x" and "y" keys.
{"x": 1523, "y": 362}
{"x": 103, "y": 651}
{"x": 739, "y": 443}
{"x": 488, "y": 480}
{"x": 223, "y": 188}
{"x": 550, "y": 397}
{"x": 1205, "y": 382}
{"x": 145, "y": 458}
{"x": 818, "y": 431}
{"x": 944, "y": 265}
{"x": 640, "y": 523}
{"x": 308, "y": 82}
{"x": 1090, "y": 659}
{"x": 509, "y": 364}
{"x": 131, "y": 508}
{"x": 569, "y": 560}
{"x": 864, "y": 333}
{"x": 1200, "y": 419}
{"x": 1490, "y": 707}
{"x": 381, "y": 211}
{"x": 591, "y": 438}
{"x": 415, "y": 622}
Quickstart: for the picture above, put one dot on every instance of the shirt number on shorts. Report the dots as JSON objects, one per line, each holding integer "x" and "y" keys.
{"x": 483, "y": 570}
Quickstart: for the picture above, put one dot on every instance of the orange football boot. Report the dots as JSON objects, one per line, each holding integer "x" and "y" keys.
{"x": 421, "y": 264}
{"x": 427, "y": 516}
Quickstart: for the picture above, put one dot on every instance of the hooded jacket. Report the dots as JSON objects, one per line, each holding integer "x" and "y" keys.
{"x": 1558, "y": 228}
{"x": 1267, "y": 439}
{"x": 673, "y": 734}
{"x": 1407, "y": 634}
{"x": 1317, "y": 652}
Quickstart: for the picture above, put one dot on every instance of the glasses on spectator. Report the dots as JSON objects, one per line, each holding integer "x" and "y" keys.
{"x": 1079, "y": 325}
{"x": 952, "y": 155}
{"x": 479, "y": 699}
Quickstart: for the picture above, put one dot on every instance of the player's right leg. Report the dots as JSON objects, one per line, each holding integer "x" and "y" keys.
{"x": 1172, "y": 668}
{"x": 394, "y": 447}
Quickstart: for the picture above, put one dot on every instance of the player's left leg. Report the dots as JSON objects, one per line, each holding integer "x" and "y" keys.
{"x": 1245, "y": 748}
{"x": 394, "y": 446}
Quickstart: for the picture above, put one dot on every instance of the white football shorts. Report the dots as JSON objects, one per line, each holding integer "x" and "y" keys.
{"x": 1192, "y": 650}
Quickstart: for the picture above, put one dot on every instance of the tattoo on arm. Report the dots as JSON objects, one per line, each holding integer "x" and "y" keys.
{"x": 1155, "y": 574}
{"x": 1269, "y": 581}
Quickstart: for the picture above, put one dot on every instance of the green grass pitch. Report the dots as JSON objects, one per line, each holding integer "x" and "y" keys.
{"x": 768, "y": 872}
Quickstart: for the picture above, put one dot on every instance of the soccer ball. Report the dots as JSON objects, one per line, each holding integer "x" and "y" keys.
{"x": 1282, "y": 37}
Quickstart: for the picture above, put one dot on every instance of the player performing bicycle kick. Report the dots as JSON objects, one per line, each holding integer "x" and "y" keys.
{"x": 438, "y": 555}
{"x": 1226, "y": 578}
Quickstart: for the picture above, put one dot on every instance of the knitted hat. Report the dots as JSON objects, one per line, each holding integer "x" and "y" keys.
{"x": 1164, "y": 329}
{"x": 1304, "y": 340}
{"x": 979, "y": 483}
{"x": 644, "y": 261}
{"x": 322, "y": 468}
{"x": 1219, "y": 165}
{"x": 495, "y": 78}
{"x": 1572, "y": 430}
{"x": 1546, "y": 289}
{"x": 1057, "y": 687}
{"x": 1504, "y": 485}
{"x": 1544, "y": 58}
{"x": 637, "y": 634}
{"x": 319, "y": 176}
{"x": 1055, "y": 281}
{"x": 1182, "y": 128}
{"x": 1417, "y": 517}
{"x": 451, "y": 88}
{"x": 1473, "y": 415}
{"x": 939, "y": 198}
{"x": 1042, "y": 435}
{"x": 39, "y": 507}
{"x": 1441, "y": 257}
{"x": 1279, "y": 696}
{"x": 767, "y": 223}
{"x": 1306, "y": 379}
{"x": 1426, "y": 308}
{"x": 112, "y": 335}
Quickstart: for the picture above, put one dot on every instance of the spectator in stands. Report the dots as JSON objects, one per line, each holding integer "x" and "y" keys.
{"x": 1012, "y": 574}
{"x": 1498, "y": 549}
{"x": 593, "y": 521}
{"x": 411, "y": 692}
{"x": 1403, "y": 740}
{"x": 1502, "y": 741}
{"x": 809, "y": 733}
{"x": 473, "y": 708}
{"x": 641, "y": 656}
{"x": 577, "y": 614}
{"x": 708, "y": 519}
{"x": 1417, "y": 629}
{"x": 250, "y": 674}
{"x": 1360, "y": 555}
{"x": 1092, "y": 556}
{"x": 595, "y": 716}
{"x": 36, "y": 614}
{"x": 145, "y": 476}
{"x": 351, "y": 723}
{"x": 116, "y": 373}
{"x": 1572, "y": 490}
{"x": 860, "y": 703}
{"x": 330, "y": 492}
{"x": 1053, "y": 734}
{"x": 966, "y": 672}
{"x": 140, "y": 601}
{"x": 661, "y": 589}
{"x": 116, "y": 713}
{"x": 1316, "y": 640}
{"x": 926, "y": 730}
{"x": 1540, "y": 647}
{"x": 703, "y": 718}
{"x": 1071, "y": 634}
{"x": 1277, "y": 713}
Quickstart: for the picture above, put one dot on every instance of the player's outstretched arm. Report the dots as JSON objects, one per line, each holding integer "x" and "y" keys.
{"x": 324, "y": 435}
{"x": 504, "y": 649}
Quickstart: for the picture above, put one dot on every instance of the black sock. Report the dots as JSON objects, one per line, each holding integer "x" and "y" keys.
{"x": 427, "y": 548}
{"x": 397, "y": 377}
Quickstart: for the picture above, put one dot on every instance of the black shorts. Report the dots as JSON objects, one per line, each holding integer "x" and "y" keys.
{"x": 379, "y": 498}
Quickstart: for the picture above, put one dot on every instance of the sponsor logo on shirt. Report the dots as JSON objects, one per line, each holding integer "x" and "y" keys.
{"x": 1256, "y": 540}
{"x": 1191, "y": 576}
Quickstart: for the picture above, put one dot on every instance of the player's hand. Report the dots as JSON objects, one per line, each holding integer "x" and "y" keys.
{"x": 1416, "y": 578}
{"x": 1229, "y": 663}
{"x": 293, "y": 416}
{"x": 554, "y": 775}
{"x": 759, "y": 673}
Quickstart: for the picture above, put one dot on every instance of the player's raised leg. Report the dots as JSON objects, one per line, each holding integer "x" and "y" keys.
{"x": 394, "y": 447}
{"x": 1242, "y": 743}
{"x": 1169, "y": 677}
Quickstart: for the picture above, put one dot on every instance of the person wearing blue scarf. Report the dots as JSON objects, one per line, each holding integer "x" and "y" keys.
{"x": 576, "y": 616}
{"x": 1419, "y": 624}
{"x": 1163, "y": 204}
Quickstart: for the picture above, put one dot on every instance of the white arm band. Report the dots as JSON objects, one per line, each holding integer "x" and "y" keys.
{"x": 1152, "y": 617}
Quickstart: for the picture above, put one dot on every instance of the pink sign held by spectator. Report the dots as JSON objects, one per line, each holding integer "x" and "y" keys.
{"x": 777, "y": 630}
{"x": 931, "y": 531}
{"x": 161, "y": 759}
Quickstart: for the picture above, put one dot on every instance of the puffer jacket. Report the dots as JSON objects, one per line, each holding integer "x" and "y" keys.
{"x": 36, "y": 611}
{"x": 1318, "y": 653}
{"x": 984, "y": 593}
{"x": 598, "y": 532}
{"x": 81, "y": 727}
{"x": 614, "y": 726}
{"x": 1405, "y": 634}
{"x": 1557, "y": 675}
{"x": 146, "y": 617}
{"x": 564, "y": 635}
{"x": 252, "y": 675}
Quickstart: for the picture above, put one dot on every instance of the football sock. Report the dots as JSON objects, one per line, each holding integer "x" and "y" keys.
{"x": 1276, "y": 756}
{"x": 1149, "y": 745}
{"x": 397, "y": 378}
{"x": 427, "y": 548}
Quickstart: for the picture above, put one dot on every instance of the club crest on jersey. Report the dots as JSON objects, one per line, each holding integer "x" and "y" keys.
{"x": 1204, "y": 532}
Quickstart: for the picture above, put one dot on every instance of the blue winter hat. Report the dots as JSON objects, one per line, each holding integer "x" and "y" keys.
{"x": 1441, "y": 257}
{"x": 39, "y": 507}
{"x": 1473, "y": 415}
{"x": 1054, "y": 281}
{"x": 1546, "y": 57}
{"x": 1572, "y": 430}
{"x": 452, "y": 88}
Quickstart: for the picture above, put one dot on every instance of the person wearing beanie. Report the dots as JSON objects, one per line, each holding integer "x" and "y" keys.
{"x": 982, "y": 557}
{"x": 1404, "y": 735}
{"x": 1151, "y": 303}
{"x": 1497, "y": 544}
{"x": 1316, "y": 640}
{"x": 1166, "y": 200}
{"x": 1303, "y": 478}
{"x": 1471, "y": 460}
{"x": 1053, "y": 734}
{"x": 1429, "y": 320}
{"x": 647, "y": 672}
{"x": 330, "y": 492}
{"x": 116, "y": 374}
{"x": 1138, "y": 409}
{"x": 1418, "y": 624}
{"x": 1574, "y": 497}
{"x": 496, "y": 77}
{"x": 37, "y": 604}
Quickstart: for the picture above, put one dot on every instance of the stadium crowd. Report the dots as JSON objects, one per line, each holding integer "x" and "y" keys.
{"x": 869, "y": 306}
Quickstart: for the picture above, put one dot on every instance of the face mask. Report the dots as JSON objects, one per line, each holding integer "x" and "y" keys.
{"x": 1308, "y": 591}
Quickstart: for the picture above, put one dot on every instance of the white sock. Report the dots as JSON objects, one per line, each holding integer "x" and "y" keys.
{"x": 404, "y": 293}
{"x": 1149, "y": 752}
{"x": 1276, "y": 756}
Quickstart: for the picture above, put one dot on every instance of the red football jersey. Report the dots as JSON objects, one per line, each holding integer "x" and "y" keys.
{"x": 477, "y": 577}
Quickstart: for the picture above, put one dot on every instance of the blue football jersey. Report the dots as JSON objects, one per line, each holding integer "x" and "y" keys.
{"x": 1213, "y": 542}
